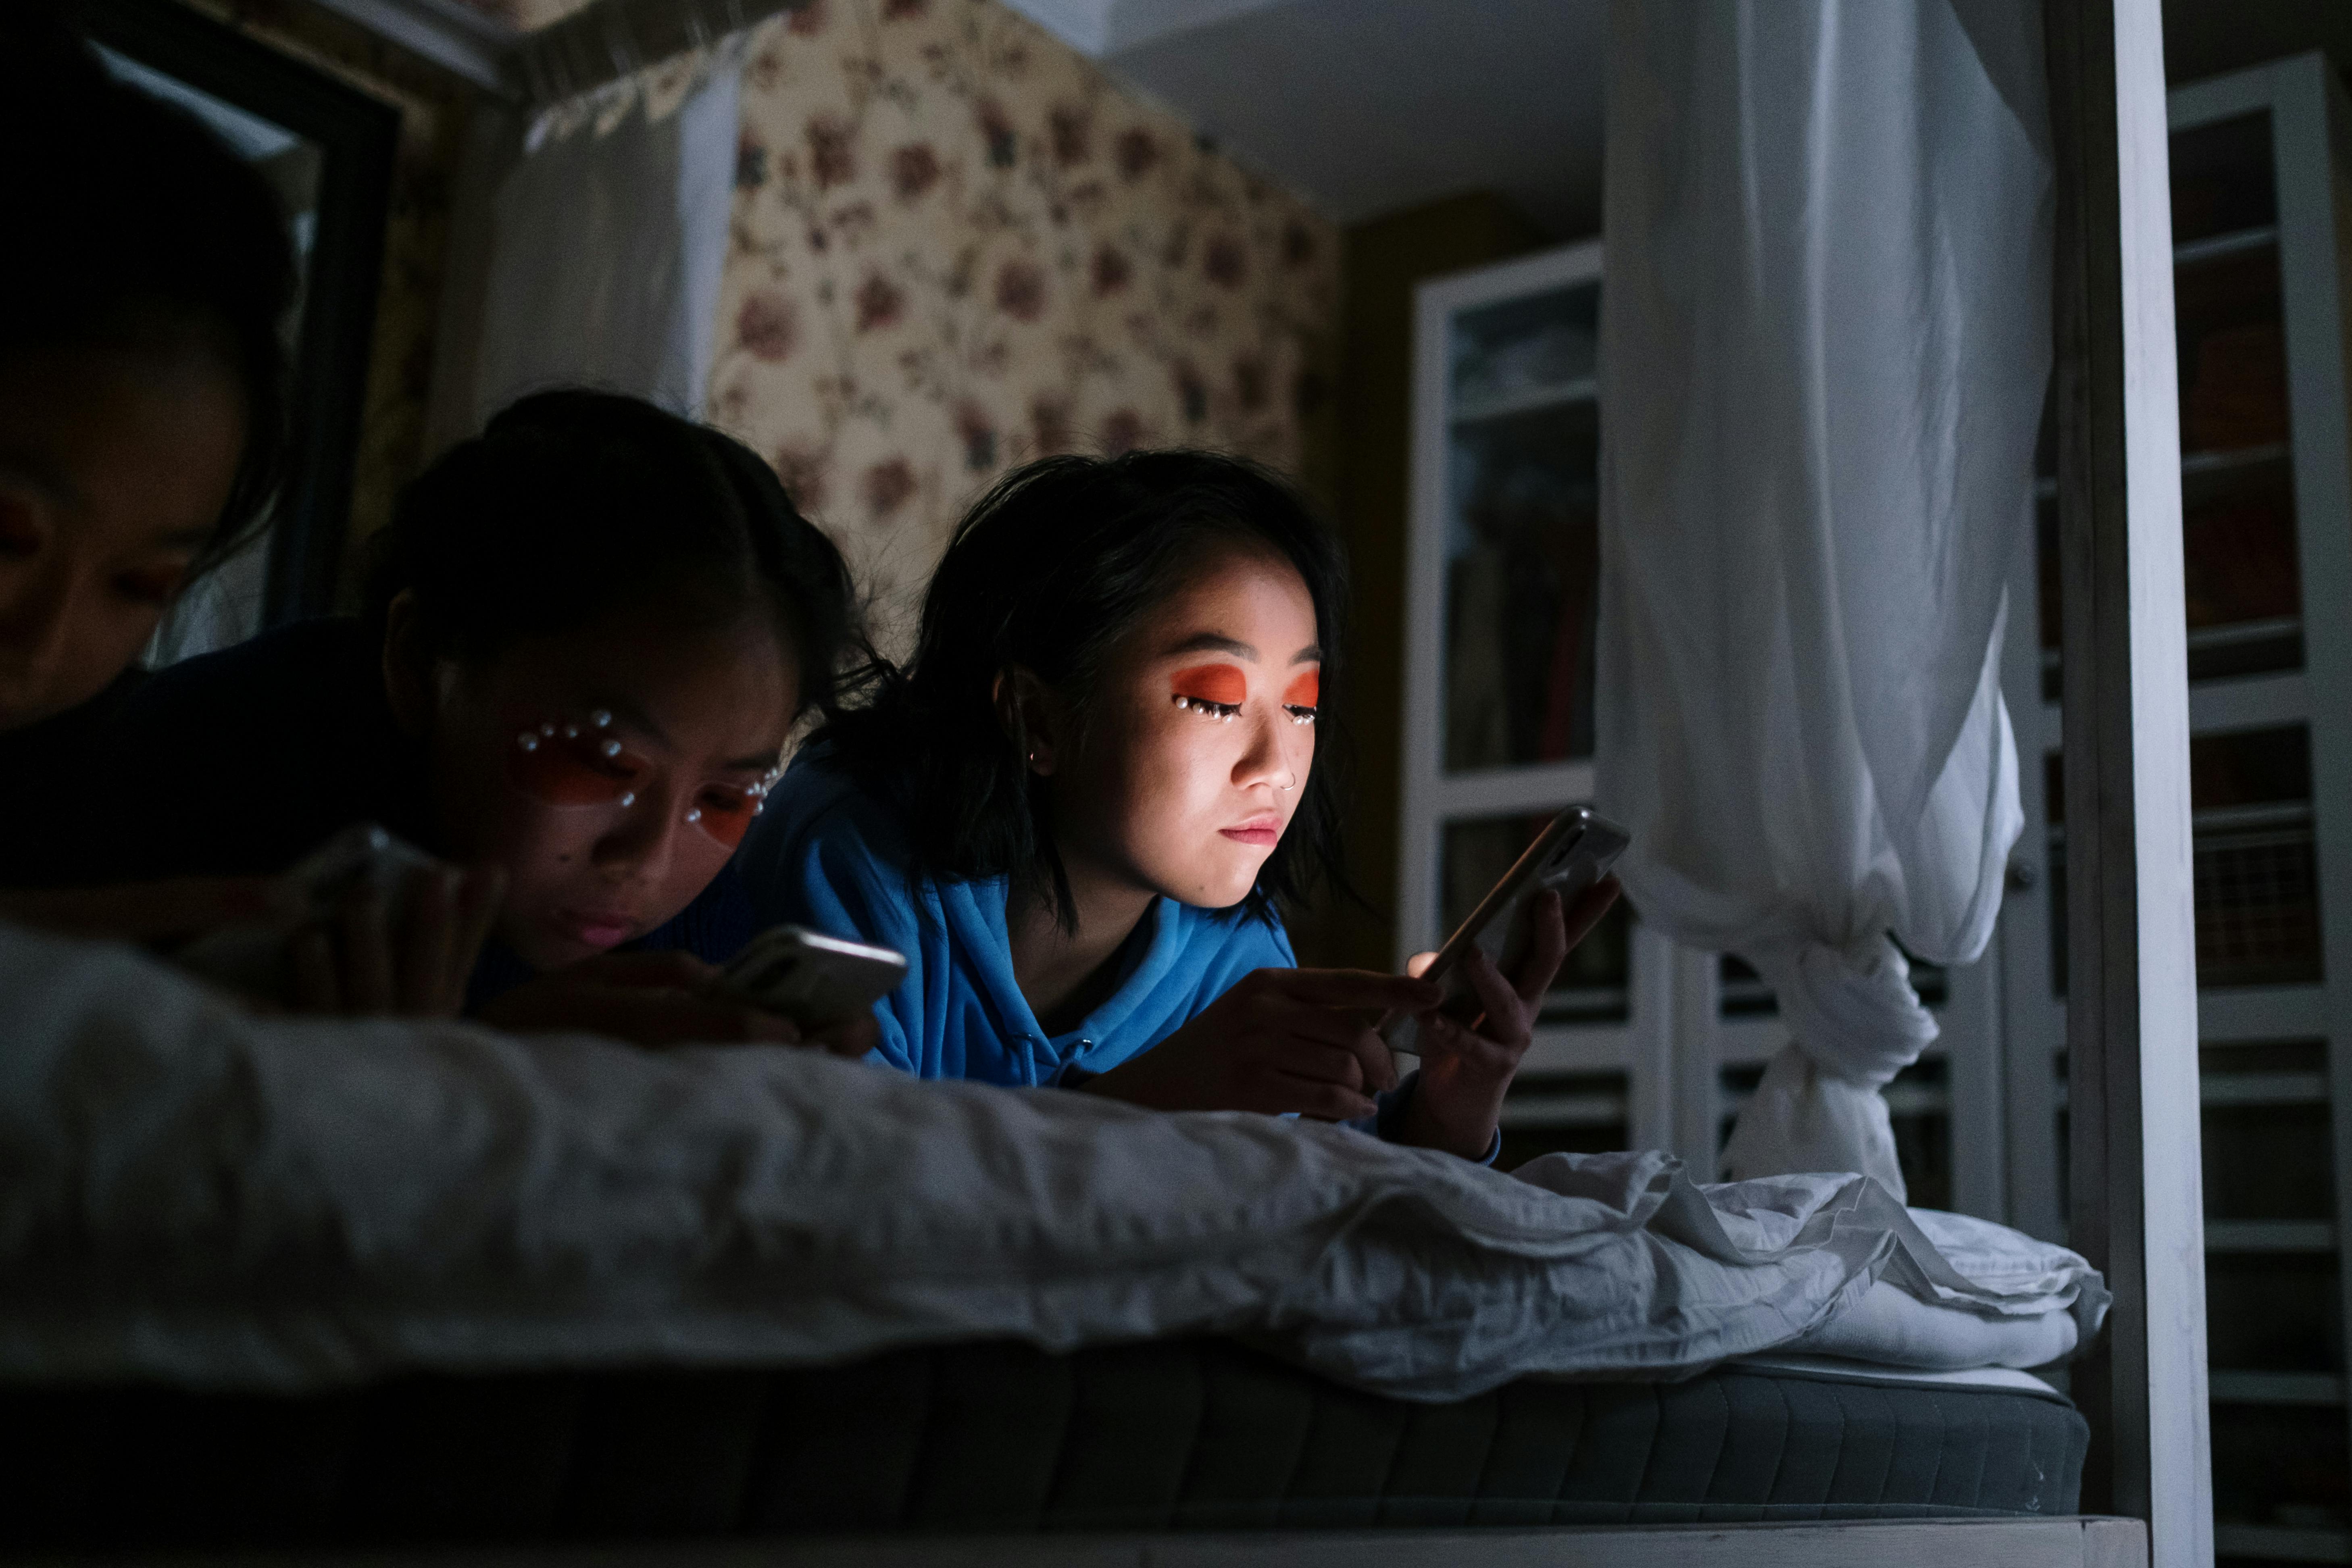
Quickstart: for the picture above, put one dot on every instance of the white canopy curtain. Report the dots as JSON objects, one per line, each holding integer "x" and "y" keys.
{"x": 608, "y": 237}
{"x": 1824, "y": 341}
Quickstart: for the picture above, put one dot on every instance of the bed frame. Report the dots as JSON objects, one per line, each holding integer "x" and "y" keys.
{"x": 2084, "y": 1542}
{"x": 2131, "y": 1026}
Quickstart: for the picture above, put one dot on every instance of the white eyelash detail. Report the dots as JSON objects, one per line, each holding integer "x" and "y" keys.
{"x": 1223, "y": 712}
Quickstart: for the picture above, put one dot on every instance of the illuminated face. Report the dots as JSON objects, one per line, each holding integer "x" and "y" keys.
{"x": 609, "y": 770}
{"x": 114, "y": 467}
{"x": 1200, "y": 739}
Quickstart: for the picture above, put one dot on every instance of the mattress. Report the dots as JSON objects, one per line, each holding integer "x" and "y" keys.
{"x": 1171, "y": 1435}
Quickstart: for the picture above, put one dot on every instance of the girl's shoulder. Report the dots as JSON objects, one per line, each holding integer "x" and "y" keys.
{"x": 272, "y": 746}
{"x": 297, "y": 702}
{"x": 1244, "y": 933}
{"x": 323, "y": 654}
{"x": 820, "y": 802}
{"x": 829, "y": 848}
{"x": 1214, "y": 948}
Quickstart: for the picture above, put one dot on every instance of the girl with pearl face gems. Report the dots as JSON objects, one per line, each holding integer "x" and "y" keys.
{"x": 1080, "y": 807}
{"x": 587, "y": 635}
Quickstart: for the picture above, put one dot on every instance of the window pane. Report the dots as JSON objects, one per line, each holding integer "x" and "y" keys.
{"x": 2238, "y": 511}
{"x": 2257, "y": 906}
{"x": 1507, "y": 352}
{"x": 2283, "y": 1465}
{"x": 2221, "y": 179}
{"x": 2250, "y": 767}
{"x": 2273, "y": 1312}
{"x": 2239, "y": 571}
{"x": 1522, "y": 545}
{"x": 2257, "y": 888}
{"x": 2232, "y": 346}
{"x": 2267, "y": 1161}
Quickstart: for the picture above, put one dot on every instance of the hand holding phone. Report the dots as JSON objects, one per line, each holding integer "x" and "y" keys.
{"x": 816, "y": 981}
{"x": 1570, "y": 856}
{"x": 657, "y": 1000}
{"x": 366, "y": 924}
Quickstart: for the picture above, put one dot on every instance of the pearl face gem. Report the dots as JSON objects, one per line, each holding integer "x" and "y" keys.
{"x": 528, "y": 741}
{"x": 601, "y": 718}
{"x": 611, "y": 748}
{"x": 571, "y": 731}
{"x": 694, "y": 813}
{"x": 628, "y": 797}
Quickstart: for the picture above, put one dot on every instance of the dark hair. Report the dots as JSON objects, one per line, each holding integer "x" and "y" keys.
{"x": 1049, "y": 573}
{"x": 573, "y": 503}
{"x": 132, "y": 223}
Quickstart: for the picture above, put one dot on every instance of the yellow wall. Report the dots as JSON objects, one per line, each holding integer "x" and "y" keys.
{"x": 958, "y": 246}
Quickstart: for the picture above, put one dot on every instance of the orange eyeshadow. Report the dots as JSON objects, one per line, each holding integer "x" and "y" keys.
{"x": 727, "y": 822}
{"x": 1304, "y": 691}
{"x": 1221, "y": 683}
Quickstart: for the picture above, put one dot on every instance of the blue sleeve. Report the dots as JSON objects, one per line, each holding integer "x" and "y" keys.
{"x": 824, "y": 874}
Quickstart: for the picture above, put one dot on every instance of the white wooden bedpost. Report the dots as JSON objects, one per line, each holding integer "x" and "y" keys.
{"x": 2131, "y": 1025}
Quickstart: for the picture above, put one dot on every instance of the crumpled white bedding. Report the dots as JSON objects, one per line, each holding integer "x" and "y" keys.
{"x": 196, "y": 1196}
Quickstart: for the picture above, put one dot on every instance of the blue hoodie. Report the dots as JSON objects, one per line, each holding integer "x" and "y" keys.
{"x": 827, "y": 855}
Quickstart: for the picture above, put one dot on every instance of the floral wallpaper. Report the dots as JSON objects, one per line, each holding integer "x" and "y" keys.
{"x": 433, "y": 107}
{"x": 958, "y": 246}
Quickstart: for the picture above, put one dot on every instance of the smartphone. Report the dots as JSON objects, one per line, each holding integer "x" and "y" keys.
{"x": 1572, "y": 853}
{"x": 811, "y": 978}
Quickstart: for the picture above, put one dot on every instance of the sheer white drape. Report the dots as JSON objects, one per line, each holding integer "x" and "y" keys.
{"x": 1824, "y": 341}
{"x": 608, "y": 236}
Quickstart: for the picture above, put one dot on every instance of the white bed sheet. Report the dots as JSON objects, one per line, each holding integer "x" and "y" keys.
{"x": 1839, "y": 1369}
{"x": 197, "y": 1196}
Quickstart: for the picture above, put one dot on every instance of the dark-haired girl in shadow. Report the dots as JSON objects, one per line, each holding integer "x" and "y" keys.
{"x": 1079, "y": 808}
{"x": 141, "y": 428}
{"x": 586, "y": 638}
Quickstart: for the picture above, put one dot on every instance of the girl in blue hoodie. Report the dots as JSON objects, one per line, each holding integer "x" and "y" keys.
{"x": 1079, "y": 808}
